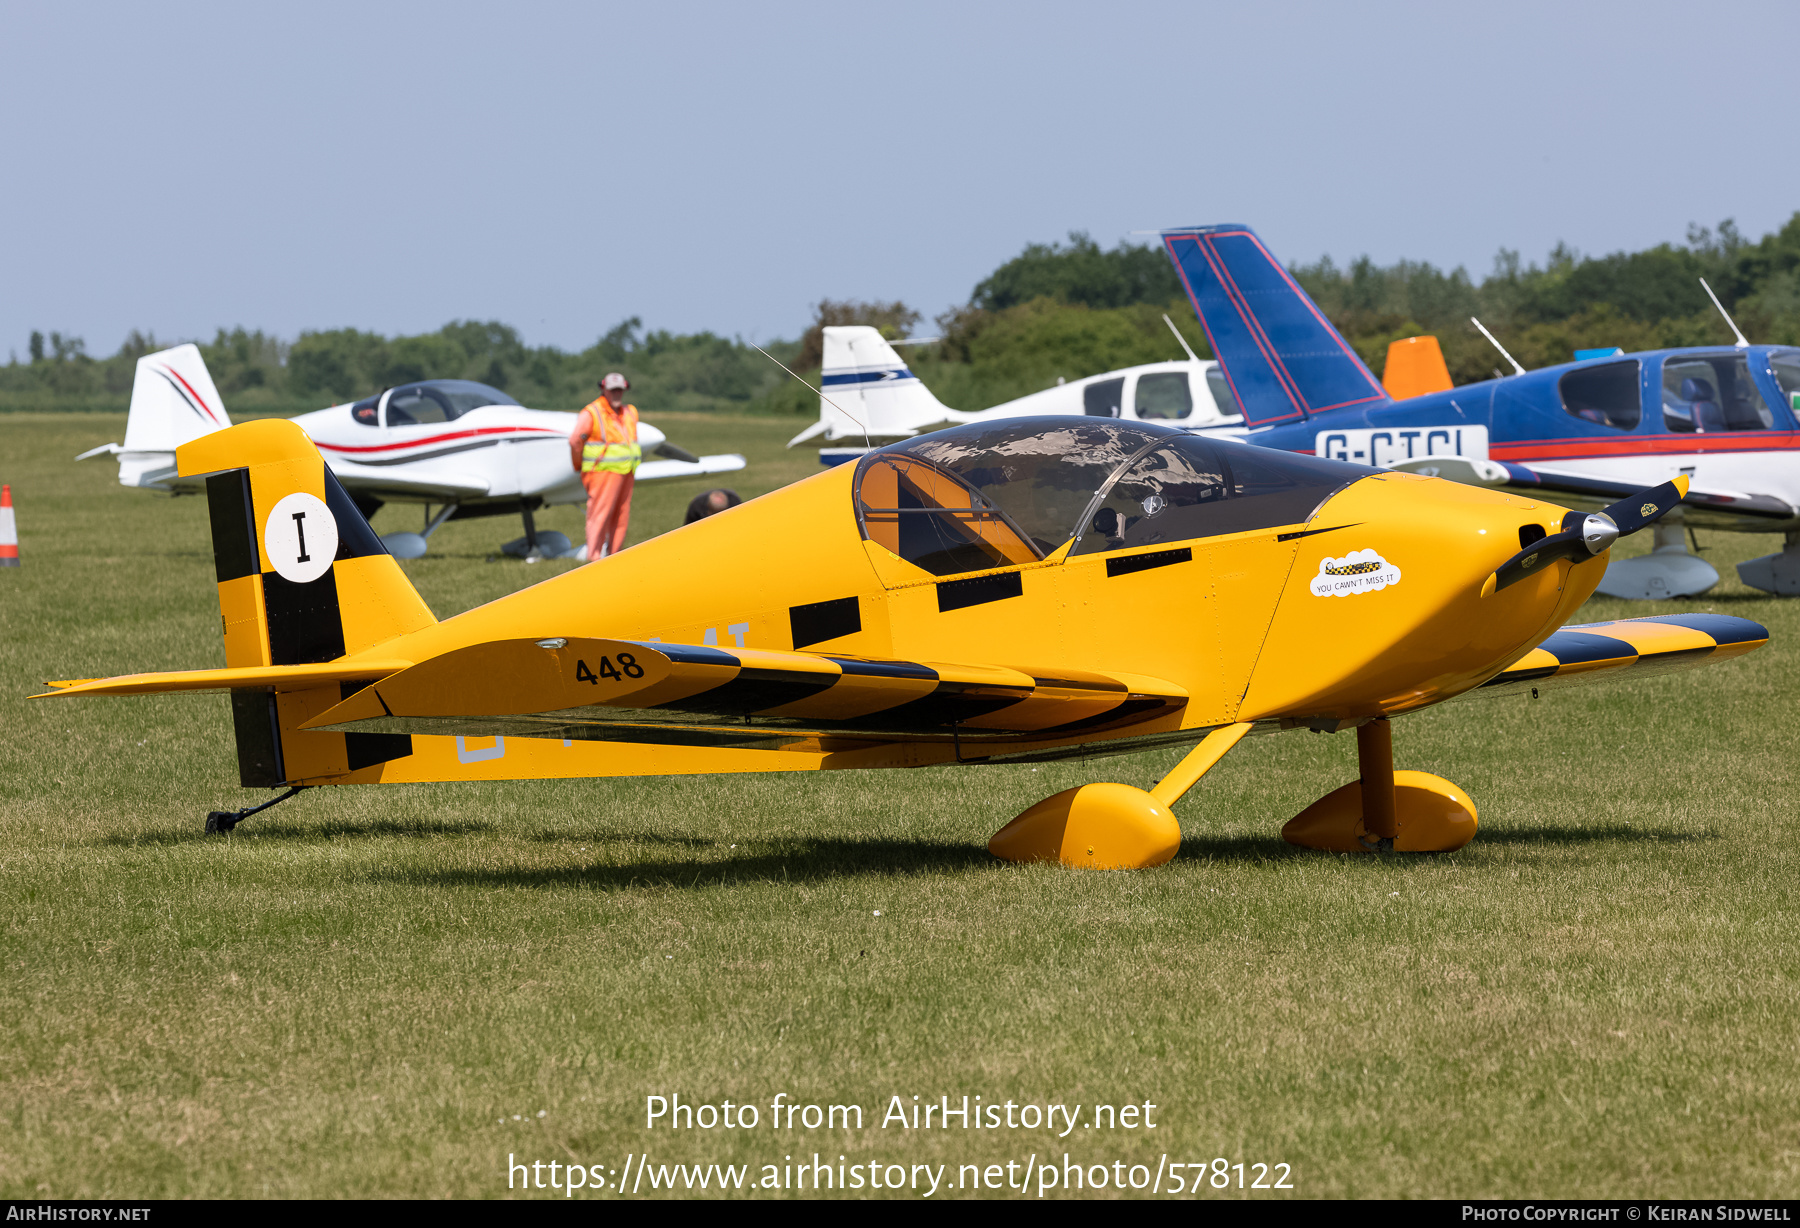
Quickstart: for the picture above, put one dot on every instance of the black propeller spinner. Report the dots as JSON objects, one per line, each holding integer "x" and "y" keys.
{"x": 1586, "y": 534}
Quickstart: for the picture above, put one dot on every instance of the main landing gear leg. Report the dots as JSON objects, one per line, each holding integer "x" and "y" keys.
{"x": 225, "y": 820}
{"x": 1384, "y": 810}
{"x": 1112, "y": 826}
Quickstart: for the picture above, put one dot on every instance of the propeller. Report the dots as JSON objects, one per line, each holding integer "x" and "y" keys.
{"x": 1586, "y": 534}
{"x": 665, "y": 448}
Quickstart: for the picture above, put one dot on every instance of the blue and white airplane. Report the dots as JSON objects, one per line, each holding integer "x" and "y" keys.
{"x": 870, "y": 394}
{"x": 1585, "y": 433}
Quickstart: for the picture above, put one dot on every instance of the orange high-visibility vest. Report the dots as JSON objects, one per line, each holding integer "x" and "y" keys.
{"x": 612, "y": 445}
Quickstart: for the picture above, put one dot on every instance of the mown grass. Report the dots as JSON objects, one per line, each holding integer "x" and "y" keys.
{"x": 357, "y": 992}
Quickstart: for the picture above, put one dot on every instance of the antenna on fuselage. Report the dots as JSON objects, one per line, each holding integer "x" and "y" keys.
{"x": 1743, "y": 343}
{"x": 859, "y": 422}
{"x": 1517, "y": 369}
{"x": 1192, "y": 357}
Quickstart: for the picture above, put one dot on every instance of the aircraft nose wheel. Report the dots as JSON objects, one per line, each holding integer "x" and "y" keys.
{"x": 222, "y": 821}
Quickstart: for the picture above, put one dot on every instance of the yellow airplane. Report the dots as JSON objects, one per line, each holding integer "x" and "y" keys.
{"x": 999, "y": 592}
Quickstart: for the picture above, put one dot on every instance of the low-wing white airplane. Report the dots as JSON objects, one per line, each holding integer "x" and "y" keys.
{"x": 464, "y": 447}
{"x": 869, "y": 391}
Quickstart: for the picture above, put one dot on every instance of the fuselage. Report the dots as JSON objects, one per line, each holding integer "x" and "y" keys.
{"x": 1181, "y": 393}
{"x": 1724, "y": 416}
{"x": 493, "y": 452}
{"x": 1353, "y": 594}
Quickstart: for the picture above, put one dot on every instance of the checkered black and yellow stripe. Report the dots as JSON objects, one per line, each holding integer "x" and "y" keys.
{"x": 1643, "y": 646}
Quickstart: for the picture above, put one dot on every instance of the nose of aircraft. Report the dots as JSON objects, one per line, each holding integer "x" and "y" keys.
{"x": 1385, "y": 608}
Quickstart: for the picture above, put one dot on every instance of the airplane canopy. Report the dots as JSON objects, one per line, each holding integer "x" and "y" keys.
{"x": 431, "y": 400}
{"x": 1015, "y": 490}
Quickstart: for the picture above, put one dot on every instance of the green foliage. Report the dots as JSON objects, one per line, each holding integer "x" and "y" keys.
{"x": 1055, "y": 311}
{"x": 1079, "y": 273}
{"x": 1635, "y": 300}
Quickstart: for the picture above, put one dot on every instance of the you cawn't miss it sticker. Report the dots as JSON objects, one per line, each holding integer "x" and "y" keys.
{"x": 1360, "y": 571}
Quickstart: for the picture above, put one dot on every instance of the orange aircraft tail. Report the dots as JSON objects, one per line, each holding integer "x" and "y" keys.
{"x": 1415, "y": 366}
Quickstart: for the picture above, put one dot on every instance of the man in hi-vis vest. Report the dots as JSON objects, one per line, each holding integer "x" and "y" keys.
{"x": 604, "y": 450}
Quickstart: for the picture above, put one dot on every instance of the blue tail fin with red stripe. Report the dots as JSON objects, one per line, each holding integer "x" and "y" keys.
{"x": 1282, "y": 356}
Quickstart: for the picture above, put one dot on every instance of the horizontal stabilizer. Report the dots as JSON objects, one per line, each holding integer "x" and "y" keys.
{"x": 246, "y": 678}
{"x": 650, "y": 692}
{"x": 1631, "y": 647}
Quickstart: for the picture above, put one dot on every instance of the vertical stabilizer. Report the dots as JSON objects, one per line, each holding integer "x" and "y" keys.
{"x": 869, "y": 390}
{"x": 302, "y": 580}
{"x": 1415, "y": 367}
{"x": 1280, "y": 354}
{"x": 173, "y": 401}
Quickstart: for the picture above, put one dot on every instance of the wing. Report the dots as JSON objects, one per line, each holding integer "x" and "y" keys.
{"x": 1631, "y": 647}
{"x": 1719, "y": 509}
{"x": 1704, "y": 508}
{"x": 649, "y": 471}
{"x": 699, "y": 695}
{"x": 381, "y": 480}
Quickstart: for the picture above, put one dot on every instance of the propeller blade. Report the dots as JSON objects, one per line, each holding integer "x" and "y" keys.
{"x": 665, "y": 448}
{"x": 1586, "y": 534}
{"x": 1647, "y": 507}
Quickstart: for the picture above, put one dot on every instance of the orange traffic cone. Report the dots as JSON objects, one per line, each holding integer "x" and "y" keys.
{"x": 9, "y": 532}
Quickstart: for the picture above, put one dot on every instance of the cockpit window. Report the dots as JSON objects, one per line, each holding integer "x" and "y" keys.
{"x": 1220, "y": 387}
{"x": 1031, "y": 477}
{"x": 465, "y": 394}
{"x": 1786, "y": 366}
{"x": 1186, "y": 487}
{"x": 1102, "y": 400}
{"x": 1712, "y": 393}
{"x": 432, "y": 400}
{"x": 1164, "y": 394}
{"x": 1605, "y": 394}
{"x": 997, "y": 494}
{"x": 417, "y": 404}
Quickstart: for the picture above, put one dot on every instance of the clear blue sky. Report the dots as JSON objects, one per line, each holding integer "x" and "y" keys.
{"x": 560, "y": 166}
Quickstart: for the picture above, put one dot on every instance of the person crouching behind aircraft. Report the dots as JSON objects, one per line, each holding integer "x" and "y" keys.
{"x": 604, "y": 450}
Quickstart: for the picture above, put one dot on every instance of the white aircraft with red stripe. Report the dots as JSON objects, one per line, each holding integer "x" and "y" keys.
{"x": 456, "y": 445}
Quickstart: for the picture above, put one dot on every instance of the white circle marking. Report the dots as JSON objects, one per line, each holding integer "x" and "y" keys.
{"x": 300, "y": 538}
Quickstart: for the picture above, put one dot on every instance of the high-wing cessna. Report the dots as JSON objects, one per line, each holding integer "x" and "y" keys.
{"x": 994, "y": 592}
{"x": 870, "y": 394}
{"x": 1586, "y": 432}
{"x": 467, "y": 448}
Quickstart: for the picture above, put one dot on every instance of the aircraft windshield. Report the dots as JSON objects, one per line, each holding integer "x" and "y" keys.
{"x": 996, "y": 494}
{"x": 1786, "y": 366}
{"x": 434, "y": 400}
{"x": 1711, "y": 393}
{"x": 987, "y": 495}
{"x": 1187, "y": 487}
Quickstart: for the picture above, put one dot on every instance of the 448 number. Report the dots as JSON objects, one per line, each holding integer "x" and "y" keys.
{"x": 626, "y": 668}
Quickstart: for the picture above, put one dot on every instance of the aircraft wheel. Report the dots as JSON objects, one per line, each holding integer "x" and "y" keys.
{"x": 1096, "y": 827}
{"x": 220, "y": 821}
{"x": 405, "y": 545}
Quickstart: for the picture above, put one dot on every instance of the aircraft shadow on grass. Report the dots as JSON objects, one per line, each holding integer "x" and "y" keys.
{"x": 313, "y": 833}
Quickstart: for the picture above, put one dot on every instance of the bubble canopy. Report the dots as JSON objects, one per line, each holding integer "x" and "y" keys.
{"x": 995, "y": 494}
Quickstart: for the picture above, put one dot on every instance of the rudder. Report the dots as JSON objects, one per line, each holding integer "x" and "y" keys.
{"x": 1281, "y": 355}
{"x": 302, "y": 579}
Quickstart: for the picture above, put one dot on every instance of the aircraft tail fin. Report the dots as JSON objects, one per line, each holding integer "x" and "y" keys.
{"x": 1280, "y": 354}
{"x": 1415, "y": 366}
{"x": 303, "y": 580}
{"x": 173, "y": 401}
{"x": 869, "y": 390}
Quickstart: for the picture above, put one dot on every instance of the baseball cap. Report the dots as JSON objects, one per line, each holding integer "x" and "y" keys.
{"x": 611, "y": 380}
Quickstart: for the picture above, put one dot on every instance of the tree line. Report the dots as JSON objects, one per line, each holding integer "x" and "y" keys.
{"x": 1055, "y": 311}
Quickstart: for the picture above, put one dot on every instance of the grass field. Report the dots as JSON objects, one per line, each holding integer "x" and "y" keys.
{"x": 386, "y": 991}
